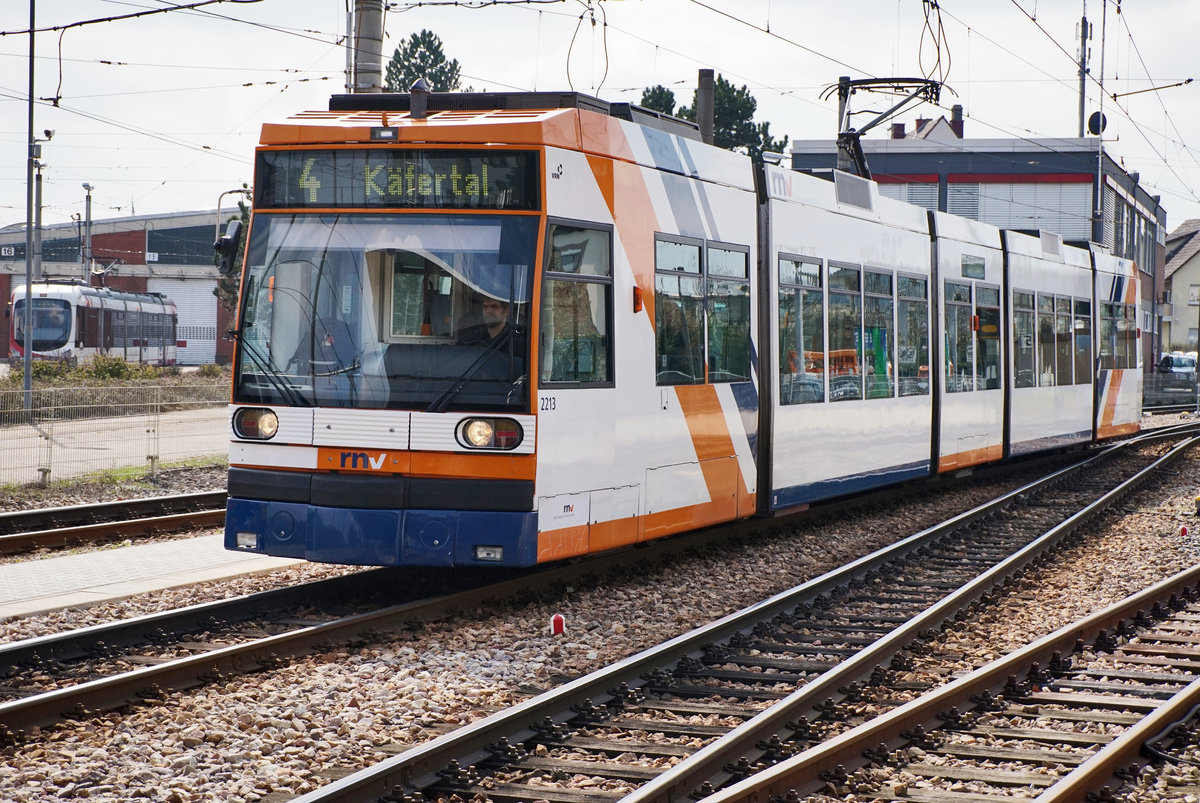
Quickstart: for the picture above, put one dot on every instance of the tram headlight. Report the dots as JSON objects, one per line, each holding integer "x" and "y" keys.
{"x": 479, "y": 432}
{"x": 500, "y": 434}
{"x": 255, "y": 423}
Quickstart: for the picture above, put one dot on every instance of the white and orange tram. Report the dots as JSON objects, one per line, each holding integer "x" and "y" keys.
{"x": 73, "y": 321}
{"x": 515, "y": 328}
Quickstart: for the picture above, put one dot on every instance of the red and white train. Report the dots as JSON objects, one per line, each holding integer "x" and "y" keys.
{"x": 72, "y": 321}
{"x": 520, "y": 328}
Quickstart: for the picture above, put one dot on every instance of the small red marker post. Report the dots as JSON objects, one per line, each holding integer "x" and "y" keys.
{"x": 1183, "y": 530}
{"x": 558, "y": 624}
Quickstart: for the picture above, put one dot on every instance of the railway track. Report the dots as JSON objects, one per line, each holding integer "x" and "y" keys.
{"x": 1063, "y": 718}
{"x": 83, "y": 661}
{"x": 48, "y": 679}
{"x": 705, "y": 710}
{"x": 24, "y": 530}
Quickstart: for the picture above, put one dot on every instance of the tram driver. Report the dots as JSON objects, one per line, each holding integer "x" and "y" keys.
{"x": 494, "y": 327}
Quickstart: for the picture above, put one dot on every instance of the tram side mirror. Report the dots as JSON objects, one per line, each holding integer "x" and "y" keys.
{"x": 226, "y": 247}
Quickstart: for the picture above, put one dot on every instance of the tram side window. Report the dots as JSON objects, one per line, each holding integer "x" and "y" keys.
{"x": 1063, "y": 324}
{"x": 912, "y": 336}
{"x": 877, "y": 334}
{"x": 678, "y": 313}
{"x": 1083, "y": 342}
{"x": 1045, "y": 318}
{"x": 1108, "y": 337}
{"x": 576, "y": 302}
{"x": 1130, "y": 335}
{"x": 987, "y": 307}
{"x": 1023, "y": 340}
{"x": 801, "y": 332}
{"x": 845, "y": 332}
{"x": 728, "y": 302}
{"x": 960, "y": 353}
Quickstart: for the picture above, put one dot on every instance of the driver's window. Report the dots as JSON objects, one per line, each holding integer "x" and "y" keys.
{"x": 423, "y": 300}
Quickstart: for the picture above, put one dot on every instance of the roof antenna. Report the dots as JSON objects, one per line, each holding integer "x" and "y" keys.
{"x": 418, "y": 103}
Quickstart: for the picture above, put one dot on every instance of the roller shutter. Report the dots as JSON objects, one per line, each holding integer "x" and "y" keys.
{"x": 197, "y": 317}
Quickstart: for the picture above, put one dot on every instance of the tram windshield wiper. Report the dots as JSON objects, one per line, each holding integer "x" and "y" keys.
{"x": 440, "y": 404}
{"x": 278, "y": 381}
{"x": 349, "y": 369}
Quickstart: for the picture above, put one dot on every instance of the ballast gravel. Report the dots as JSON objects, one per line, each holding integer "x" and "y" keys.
{"x": 291, "y": 730}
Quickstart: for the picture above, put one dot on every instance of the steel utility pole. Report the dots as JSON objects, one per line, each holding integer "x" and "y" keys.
{"x": 368, "y": 46}
{"x": 1085, "y": 35}
{"x": 27, "y": 326}
{"x": 87, "y": 236}
{"x": 349, "y": 42}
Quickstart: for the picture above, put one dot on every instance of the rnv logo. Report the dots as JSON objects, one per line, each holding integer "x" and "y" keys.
{"x": 362, "y": 460}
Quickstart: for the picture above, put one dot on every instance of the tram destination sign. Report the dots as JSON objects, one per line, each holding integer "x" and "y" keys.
{"x": 393, "y": 177}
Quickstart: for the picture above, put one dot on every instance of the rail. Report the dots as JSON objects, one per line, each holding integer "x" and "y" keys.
{"x": 100, "y": 521}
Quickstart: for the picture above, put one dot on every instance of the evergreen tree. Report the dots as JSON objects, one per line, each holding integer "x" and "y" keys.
{"x": 733, "y": 121}
{"x": 421, "y": 56}
{"x": 659, "y": 99}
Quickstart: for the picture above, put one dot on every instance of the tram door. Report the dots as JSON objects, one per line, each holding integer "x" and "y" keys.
{"x": 970, "y": 272}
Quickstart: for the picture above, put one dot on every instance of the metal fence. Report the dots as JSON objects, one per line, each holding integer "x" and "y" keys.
{"x": 1167, "y": 390}
{"x": 69, "y": 432}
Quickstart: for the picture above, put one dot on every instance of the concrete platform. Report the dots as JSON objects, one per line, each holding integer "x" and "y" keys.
{"x": 89, "y": 578}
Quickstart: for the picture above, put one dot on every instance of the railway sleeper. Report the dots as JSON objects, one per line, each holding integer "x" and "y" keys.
{"x": 924, "y": 600}
{"x": 806, "y": 649}
{"x": 606, "y": 769}
{"x": 882, "y": 622}
{"x": 1142, "y": 677}
{"x": 1024, "y": 756}
{"x": 1073, "y": 715}
{"x": 616, "y": 748}
{"x": 670, "y": 727}
{"x": 1155, "y": 692}
{"x": 1092, "y": 701}
{"x": 797, "y": 665}
{"x": 1048, "y": 736}
{"x": 1168, "y": 637}
{"x": 691, "y": 707}
{"x": 853, "y": 629}
{"x": 939, "y": 584}
{"x": 687, "y": 690}
{"x": 734, "y": 676}
{"x": 1165, "y": 663}
{"x": 915, "y": 795}
{"x": 520, "y": 793}
{"x": 982, "y": 775}
{"x": 829, "y": 637}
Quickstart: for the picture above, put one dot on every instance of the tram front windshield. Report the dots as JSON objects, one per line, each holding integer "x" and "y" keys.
{"x": 402, "y": 311}
{"x": 51, "y": 323}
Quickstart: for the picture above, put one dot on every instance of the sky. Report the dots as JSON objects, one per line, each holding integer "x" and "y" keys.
{"x": 162, "y": 113}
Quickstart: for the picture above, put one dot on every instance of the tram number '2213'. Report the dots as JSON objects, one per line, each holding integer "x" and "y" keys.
{"x": 549, "y": 403}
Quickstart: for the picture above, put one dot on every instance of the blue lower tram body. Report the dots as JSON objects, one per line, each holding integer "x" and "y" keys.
{"x": 380, "y": 521}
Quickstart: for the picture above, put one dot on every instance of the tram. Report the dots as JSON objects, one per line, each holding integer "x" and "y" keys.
{"x": 72, "y": 321}
{"x": 506, "y": 329}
